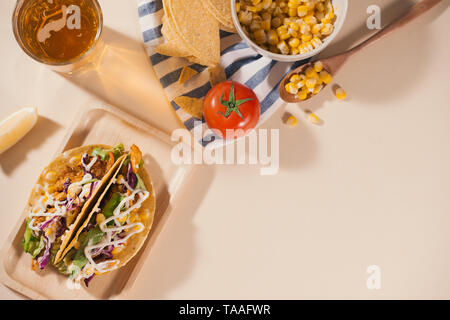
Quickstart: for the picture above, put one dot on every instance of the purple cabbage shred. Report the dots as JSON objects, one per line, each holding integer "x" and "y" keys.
{"x": 66, "y": 185}
{"x": 87, "y": 280}
{"x": 131, "y": 177}
{"x": 44, "y": 259}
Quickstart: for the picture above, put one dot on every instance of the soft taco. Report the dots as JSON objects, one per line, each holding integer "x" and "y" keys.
{"x": 117, "y": 226}
{"x": 62, "y": 197}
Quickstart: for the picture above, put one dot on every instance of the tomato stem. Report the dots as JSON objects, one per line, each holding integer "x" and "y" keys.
{"x": 232, "y": 104}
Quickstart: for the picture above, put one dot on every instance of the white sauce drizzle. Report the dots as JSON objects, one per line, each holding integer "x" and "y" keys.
{"x": 138, "y": 227}
{"x": 40, "y": 209}
{"x": 88, "y": 167}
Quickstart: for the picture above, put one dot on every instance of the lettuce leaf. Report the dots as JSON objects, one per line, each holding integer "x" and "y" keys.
{"x": 31, "y": 244}
{"x": 140, "y": 183}
{"x": 94, "y": 236}
{"x": 104, "y": 153}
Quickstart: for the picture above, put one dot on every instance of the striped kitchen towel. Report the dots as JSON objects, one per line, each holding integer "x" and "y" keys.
{"x": 241, "y": 63}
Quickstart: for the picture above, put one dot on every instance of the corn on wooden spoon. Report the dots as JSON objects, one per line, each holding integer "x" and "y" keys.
{"x": 333, "y": 64}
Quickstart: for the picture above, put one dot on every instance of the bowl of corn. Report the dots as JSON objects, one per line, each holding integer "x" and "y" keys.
{"x": 288, "y": 30}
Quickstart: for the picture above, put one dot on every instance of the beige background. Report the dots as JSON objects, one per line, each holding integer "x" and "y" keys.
{"x": 369, "y": 186}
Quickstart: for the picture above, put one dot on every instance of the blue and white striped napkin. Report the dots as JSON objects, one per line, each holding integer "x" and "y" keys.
{"x": 241, "y": 63}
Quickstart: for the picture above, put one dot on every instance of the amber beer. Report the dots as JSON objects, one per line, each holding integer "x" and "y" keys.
{"x": 58, "y": 32}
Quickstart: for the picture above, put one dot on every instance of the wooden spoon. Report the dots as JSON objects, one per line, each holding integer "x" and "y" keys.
{"x": 333, "y": 64}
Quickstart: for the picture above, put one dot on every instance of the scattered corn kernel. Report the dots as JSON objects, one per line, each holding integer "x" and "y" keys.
{"x": 292, "y": 121}
{"x": 286, "y": 26}
{"x": 313, "y": 118}
{"x": 340, "y": 94}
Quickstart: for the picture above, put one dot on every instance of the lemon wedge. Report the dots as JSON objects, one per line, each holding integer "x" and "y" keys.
{"x": 16, "y": 126}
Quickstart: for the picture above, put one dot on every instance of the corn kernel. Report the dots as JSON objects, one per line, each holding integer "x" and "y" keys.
{"x": 302, "y": 95}
{"x": 291, "y": 88}
{"x": 311, "y": 73}
{"x": 340, "y": 94}
{"x": 316, "y": 42}
{"x": 265, "y": 25}
{"x": 238, "y": 7}
{"x": 317, "y": 88}
{"x": 99, "y": 218}
{"x": 122, "y": 219}
{"x": 325, "y": 77}
{"x": 292, "y": 12}
{"x": 313, "y": 118}
{"x": 292, "y": 121}
{"x": 295, "y": 78}
{"x": 116, "y": 250}
{"x": 300, "y": 84}
{"x": 293, "y": 26}
{"x": 283, "y": 47}
{"x": 327, "y": 29}
{"x": 310, "y": 83}
{"x": 302, "y": 11}
{"x": 318, "y": 66}
{"x": 272, "y": 37}
{"x": 276, "y": 22}
{"x": 293, "y": 51}
{"x": 310, "y": 20}
{"x": 306, "y": 37}
{"x": 320, "y": 7}
{"x": 316, "y": 28}
{"x": 311, "y": 5}
{"x": 294, "y": 42}
{"x": 260, "y": 36}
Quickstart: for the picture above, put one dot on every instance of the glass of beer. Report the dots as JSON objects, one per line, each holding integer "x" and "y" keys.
{"x": 63, "y": 34}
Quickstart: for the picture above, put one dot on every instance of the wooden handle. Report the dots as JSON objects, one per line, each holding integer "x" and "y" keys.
{"x": 416, "y": 11}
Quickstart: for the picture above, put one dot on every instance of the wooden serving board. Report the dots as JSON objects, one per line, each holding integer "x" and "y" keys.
{"x": 104, "y": 125}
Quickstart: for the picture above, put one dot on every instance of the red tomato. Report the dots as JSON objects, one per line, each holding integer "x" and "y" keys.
{"x": 231, "y": 105}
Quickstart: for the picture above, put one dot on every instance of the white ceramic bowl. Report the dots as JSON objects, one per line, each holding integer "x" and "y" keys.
{"x": 340, "y": 9}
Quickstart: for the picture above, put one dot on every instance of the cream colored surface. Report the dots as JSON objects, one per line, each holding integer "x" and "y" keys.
{"x": 369, "y": 187}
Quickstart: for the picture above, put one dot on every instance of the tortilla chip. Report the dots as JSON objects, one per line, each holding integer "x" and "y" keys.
{"x": 197, "y": 60}
{"x": 186, "y": 74}
{"x": 228, "y": 29}
{"x": 170, "y": 49}
{"x": 193, "y": 106}
{"x": 216, "y": 75}
{"x": 221, "y": 10}
{"x": 198, "y": 28}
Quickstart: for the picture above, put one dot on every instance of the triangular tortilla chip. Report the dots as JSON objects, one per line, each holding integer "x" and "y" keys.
{"x": 216, "y": 75}
{"x": 186, "y": 74}
{"x": 193, "y": 106}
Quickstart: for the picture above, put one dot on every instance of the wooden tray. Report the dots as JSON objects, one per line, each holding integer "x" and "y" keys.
{"x": 105, "y": 125}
